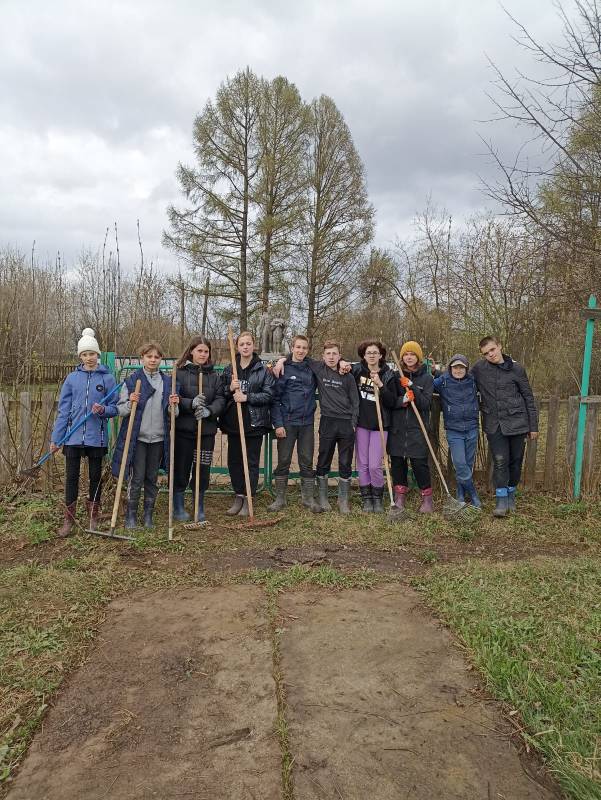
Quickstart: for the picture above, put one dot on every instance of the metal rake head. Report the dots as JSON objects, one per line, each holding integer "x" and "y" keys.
{"x": 457, "y": 511}
{"x": 399, "y": 514}
{"x": 194, "y": 526}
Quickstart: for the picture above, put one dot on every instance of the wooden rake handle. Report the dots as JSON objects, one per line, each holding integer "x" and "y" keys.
{"x": 172, "y": 451}
{"x": 424, "y": 431}
{"x": 197, "y": 470}
{"x": 383, "y": 440}
{"x": 249, "y": 498}
{"x": 130, "y": 425}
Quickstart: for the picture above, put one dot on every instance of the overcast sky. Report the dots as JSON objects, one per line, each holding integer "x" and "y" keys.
{"x": 97, "y": 101}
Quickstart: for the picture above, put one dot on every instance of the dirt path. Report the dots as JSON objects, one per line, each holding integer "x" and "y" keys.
{"x": 178, "y": 700}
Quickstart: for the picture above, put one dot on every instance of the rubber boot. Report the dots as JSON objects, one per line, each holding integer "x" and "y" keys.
{"x": 366, "y": 499}
{"x": 502, "y": 503}
{"x": 377, "y": 493}
{"x": 244, "y": 511}
{"x": 426, "y": 506}
{"x": 344, "y": 487}
{"x": 323, "y": 504}
{"x": 179, "y": 512}
{"x": 281, "y": 485}
{"x": 471, "y": 490}
{"x": 68, "y": 521}
{"x": 131, "y": 514}
{"x": 460, "y": 492}
{"x": 400, "y": 495}
{"x": 148, "y": 509}
{"x": 93, "y": 513}
{"x": 308, "y": 495}
{"x": 236, "y": 505}
{"x": 511, "y": 498}
{"x": 200, "y": 515}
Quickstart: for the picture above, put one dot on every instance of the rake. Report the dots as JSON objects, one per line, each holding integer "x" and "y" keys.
{"x": 130, "y": 425}
{"x": 452, "y": 509}
{"x": 172, "y": 452}
{"x": 191, "y": 526}
{"x": 395, "y": 514}
{"x": 31, "y": 472}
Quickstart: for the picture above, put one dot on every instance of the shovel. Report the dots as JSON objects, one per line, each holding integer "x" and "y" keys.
{"x": 130, "y": 424}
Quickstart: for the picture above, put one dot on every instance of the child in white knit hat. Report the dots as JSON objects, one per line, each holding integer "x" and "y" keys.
{"x": 82, "y": 393}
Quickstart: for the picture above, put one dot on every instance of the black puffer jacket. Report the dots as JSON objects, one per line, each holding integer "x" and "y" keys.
{"x": 187, "y": 377}
{"x": 405, "y": 437}
{"x": 259, "y": 387}
{"x": 388, "y": 395}
{"x": 506, "y": 399}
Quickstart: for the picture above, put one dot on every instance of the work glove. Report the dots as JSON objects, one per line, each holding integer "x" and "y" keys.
{"x": 202, "y": 413}
{"x": 409, "y": 397}
{"x": 406, "y": 383}
{"x": 199, "y": 401}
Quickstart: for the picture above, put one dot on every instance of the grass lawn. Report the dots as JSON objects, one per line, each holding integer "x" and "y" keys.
{"x": 531, "y": 625}
{"x": 534, "y": 631}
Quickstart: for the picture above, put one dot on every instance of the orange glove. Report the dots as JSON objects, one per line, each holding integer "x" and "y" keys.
{"x": 405, "y": 382}
{"x": 409, "y": 397}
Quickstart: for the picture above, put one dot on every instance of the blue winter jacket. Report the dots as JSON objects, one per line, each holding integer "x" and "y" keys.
{"x": 294, "y": 397}
{"x": 81, "y": 389}
{"x": 146, "y": 391}
{"x": 459, "y": 402}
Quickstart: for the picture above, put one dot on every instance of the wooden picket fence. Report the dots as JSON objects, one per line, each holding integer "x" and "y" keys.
{"x": 26, "y": 424}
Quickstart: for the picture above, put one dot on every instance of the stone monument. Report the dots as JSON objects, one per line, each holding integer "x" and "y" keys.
{"x": 271, "y": 336}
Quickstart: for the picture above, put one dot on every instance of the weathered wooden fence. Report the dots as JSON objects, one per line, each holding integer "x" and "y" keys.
{"x": 26, "y": 424}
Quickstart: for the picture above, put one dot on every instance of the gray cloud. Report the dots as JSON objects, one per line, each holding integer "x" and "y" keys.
{"x": 101, "y": 100}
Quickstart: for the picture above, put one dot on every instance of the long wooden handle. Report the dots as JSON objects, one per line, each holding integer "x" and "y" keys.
{"x": 130, "y": 425}
{"x": 424, "y": 431}
{"x": 249, "y": 498}
{"x": 383, "y": 440}
{"x": 197, "y": 471}
{"x": 172, "y": 452}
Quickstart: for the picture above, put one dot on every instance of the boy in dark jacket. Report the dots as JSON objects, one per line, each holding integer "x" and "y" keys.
{"x": 194, "y": 407}
{"x": 292, "y": 415}
{"x": 149, "y": 445}
{"x": 339, "y": 407}
{"x": 461, "y": 413}
{"x": 508, "y": 415}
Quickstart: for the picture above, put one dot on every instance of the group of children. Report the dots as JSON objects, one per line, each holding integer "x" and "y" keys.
{"x": 364, "y": 407}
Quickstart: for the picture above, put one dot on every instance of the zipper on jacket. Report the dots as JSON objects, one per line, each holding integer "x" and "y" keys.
{"x": 85, "y": 425}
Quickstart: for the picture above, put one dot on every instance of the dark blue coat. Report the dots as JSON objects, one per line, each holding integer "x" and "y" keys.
{"x": 79, "y": 392}
{"x": 459, "y": 402}
{"x": 146, "y": 391}
{"x": 294, "y": 397}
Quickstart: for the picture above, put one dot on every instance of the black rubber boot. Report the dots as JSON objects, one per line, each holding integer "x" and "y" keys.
{"x": 377, "y": 493}
{"x": 323, "y": 504}
{"x": 179, "y": 512}
{"x": 367, "y": 503}
{"x": 236, "y": 505}
{"x": 148, "y": 509}
{"x": 344, "y": 488}
{"x": 502, "y": 506}
{"x": 281, "y": 485}
{"x": 308, "y": 495}
{"x": 131, "y": 514}
{"x": 200, "y": 517}
{"x": 511, "y": 500}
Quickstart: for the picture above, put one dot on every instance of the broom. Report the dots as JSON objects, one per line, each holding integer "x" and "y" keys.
{"x": 452, "y": 509}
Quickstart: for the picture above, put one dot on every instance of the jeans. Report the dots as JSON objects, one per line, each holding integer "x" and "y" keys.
{"x": 399, "y": 468}
{"x": 303, "y": 436}
{"x": 507, "y": 454}
{"x": 332, "y": 432}
{"x": 235, "y": 463}
{"x": 145, "y": 471}
{"x": 185, "y": 462}
{"x": 462, "y": 445}
{"x": 369, "y": 457}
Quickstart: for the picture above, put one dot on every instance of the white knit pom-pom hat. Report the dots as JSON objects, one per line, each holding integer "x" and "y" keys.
{"x": 87, "y": 342}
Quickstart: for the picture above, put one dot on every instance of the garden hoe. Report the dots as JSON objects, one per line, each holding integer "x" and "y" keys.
{"x": 171, "y": 452}
{"x": 31, "y": 472}
{"x": 130, "y": 424}
{"x": 251, "y": 523}
{"x": 452, "y": 509}
{"x": 195, "y": 525}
